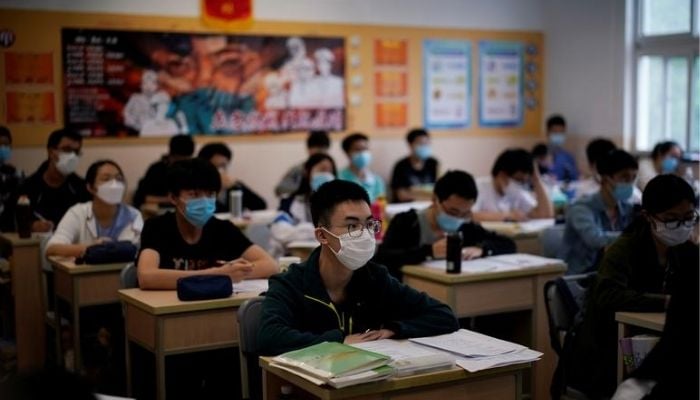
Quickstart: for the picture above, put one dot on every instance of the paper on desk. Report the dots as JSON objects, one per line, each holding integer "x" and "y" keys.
{"x": 250, "y": 286}
{"x": 397, "y": 350}
{"x": 536, "y": 225}
{"x": 471, "y": 344}
{"x": 481, "y": 363}
{"x": 470, "y": 266}
{"x": 409, "y": 358}
{"x": 516, "y": 261}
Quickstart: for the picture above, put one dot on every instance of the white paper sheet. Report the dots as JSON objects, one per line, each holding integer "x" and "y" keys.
{"x": 471, "y": 344}
{"x": 397, "y": 350}
{"x": 250, "y": 286}
{"x": 481, "y": 363}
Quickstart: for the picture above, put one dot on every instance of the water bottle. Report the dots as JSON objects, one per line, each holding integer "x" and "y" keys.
{"x": 454, "y": 253}
{"x": 23, "y": 216}
{"x": 235, "y": 203}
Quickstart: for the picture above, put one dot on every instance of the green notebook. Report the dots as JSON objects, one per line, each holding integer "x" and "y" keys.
{"x": 329, "y": 360}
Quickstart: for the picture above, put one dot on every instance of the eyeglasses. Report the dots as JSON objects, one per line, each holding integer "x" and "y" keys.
{"x": 675, "y": 224}
{"x": 373, "y": 226}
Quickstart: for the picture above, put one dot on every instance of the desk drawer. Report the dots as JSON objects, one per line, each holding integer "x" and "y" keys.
{"x": 502, "y": 387}
{"x": 491, "y": 297}
{"x": 200, "y": 330}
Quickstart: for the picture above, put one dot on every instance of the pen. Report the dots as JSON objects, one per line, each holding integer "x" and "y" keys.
{"x": 41, "y": 217}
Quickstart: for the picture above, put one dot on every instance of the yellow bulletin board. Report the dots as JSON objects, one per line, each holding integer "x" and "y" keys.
{"x": 37, "y": 36}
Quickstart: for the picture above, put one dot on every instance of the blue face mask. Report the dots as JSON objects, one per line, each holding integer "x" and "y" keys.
{"x": 361, "y": 159}
{"x": 448, "y": 223}
{"x": 424, "y": 152}
{"x": 5, "y": 153}
{"x": 198, "y": 211}
{"x": 669, "y": 165}
{"x": 623, "y": 191}
{"x": 557, "y": 139}
{"x": 319, "y": 179}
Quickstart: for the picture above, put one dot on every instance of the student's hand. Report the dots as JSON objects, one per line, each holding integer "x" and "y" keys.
{"x": 237, "y": 269}
{"x": 440, "y": 248}
{"x": 42, "y": 226}
{"x": 101, "y": 240}
{"x": 368, "y": 336}
{"x": 516, "y": 215}
{"x": 470, "y": 253}
{"x": 385, "y": 334}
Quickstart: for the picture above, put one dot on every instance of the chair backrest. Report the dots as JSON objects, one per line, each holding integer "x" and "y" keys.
{"x": 249, "y": 323}
{"x": 128, "y": 277}
{"x": 259, "y": 234}
{"x": 551, "y": 240}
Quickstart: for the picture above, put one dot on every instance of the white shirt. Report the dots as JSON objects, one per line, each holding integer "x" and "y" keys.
{"x": 489, "y": 200}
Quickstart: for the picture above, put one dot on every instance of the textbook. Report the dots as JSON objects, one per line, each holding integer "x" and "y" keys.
{"x": 329, "y": 360}
{"x": 408, "y": 358}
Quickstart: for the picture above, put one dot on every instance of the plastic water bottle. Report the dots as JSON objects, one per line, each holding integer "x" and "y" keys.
{"x": 235, "y": 203}
{"x": 23, "y": 216}
{"x": 454, "y": 253}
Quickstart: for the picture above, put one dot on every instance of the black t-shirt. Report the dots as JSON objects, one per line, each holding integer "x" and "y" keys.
{"x": 220, "y": 241}
{"x": 405, "y": 175}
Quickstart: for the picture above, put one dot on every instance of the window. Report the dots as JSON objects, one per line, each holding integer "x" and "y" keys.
{"x": 667, "y": 86}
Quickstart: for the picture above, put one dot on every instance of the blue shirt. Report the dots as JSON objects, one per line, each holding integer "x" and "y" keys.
{"x": 564, "y": 165}
{"x": 588, "y": 230}
{"x": 373, "y": 183}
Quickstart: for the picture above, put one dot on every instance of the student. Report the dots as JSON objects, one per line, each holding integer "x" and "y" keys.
{"x": 356, "y": 147}
{"x": 665, "y": 159}
{"x": 595, "y": 150}
{"x": 337, "y": 294}
{"x": 105, "y": 218}
{"x": 414, "y": 236}
{"x": 505, "y": 197}
{"x": 418, "y": 169}
{"x": 595, "y": 221}
{"x": 152, "y": 188}
{"x": 10, "y": 179}
{"x": 316, "y": 142}
{"x": 638, "y": 273}
{"x": 543, "y": 159}
{"x": 55, "y": 187}
{"x": 219, "y": 155}
{"x": 190, "y": 241}
{"x": 563, "y": 162}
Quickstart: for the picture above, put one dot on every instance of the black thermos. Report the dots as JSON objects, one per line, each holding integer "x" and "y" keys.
{"x": 454, "y": 253}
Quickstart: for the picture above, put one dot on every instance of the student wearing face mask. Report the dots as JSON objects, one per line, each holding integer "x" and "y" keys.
{"x": 219, "y": 155}
{"x": 55, "y": 187}
{"x": 293, "y": 223}
{"x": 595, "y": 221}
{"x": 665, "y": 159}
{"x": 356, "y": 147}
{"x": 506, "y": 196}
{"x": 338, "y": 294}
{"x": 105, "y": 218}
{"x": 418, "y": 169}
{"x": 414, "y": 236}
{"x": 653, "y": 260}
{"x": 563, "y": 163}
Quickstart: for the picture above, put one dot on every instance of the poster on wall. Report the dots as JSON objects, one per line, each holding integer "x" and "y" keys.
{"x": 500, "y": 84}
{"x": 24, "y": 107}
{"x": 28, "y": 68}
{"x": 131, "y": 83}
{"x": 446, "y": 85}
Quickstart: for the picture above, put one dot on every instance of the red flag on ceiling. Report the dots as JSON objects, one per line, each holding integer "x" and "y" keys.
{"x": 225, "y": 14}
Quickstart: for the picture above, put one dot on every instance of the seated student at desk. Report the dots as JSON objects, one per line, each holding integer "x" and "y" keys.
{"x": 418, "y": 169}
{"x": 595, "y": 221}
{"x": 356, "y": 147}
{"x": 505, "y": 197}
{"x": 595, "y": 151}
{"x": 414, "y": 236}
{"x": 317, "y": 142}
{"x": 294, "y": 221}
{"x": 337, "y": 294}
{"x": 665, "y": 159}
{"x": 638, "y": 273}
{"x": 563, "y": 163}
{"x": 105, "y": 218}
{"x": 190, "y": 241}
{"x": 219, "y": 155}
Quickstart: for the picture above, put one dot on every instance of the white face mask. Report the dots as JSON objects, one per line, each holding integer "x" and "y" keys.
{"x": 672, "y": 237}
{"x": 67, "y": 163}
{"x": 513, "y": 188}
{"x": 111, "y": 192}
{"x": 354, "y": 252}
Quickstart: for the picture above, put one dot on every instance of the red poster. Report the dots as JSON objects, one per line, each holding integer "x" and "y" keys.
{"x": 30, "y": 107}
{"x": 32, "y": 68}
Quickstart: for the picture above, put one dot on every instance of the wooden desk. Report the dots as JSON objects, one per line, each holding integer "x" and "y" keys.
{"x": 626, "y": 321}
{"x": 30, "y": 307}
{"x": 82, "y": 285}
{"x": 164, "y": 325}
{"x": 525, "y": 234}
{"x": 487, "y": 293}
{"x": 497, "y": 383}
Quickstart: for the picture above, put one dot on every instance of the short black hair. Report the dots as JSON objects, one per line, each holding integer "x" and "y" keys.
{"x": 56, "y": 136}
{"x": 616, "y": 161}
{"x": 192, "y": 174}
{"x": 181, "y": 145}
{"x": 414, "y": 134}
{"x": 318, "y": 139}
{"x": 662, "y": 148}
{"x": 540, "y": 150}
{"x": 91, "y": 173}
{"x": 665, "y": 192}
{"x": 512, "y": 161}
{"x": 351, "y": 139}
{"x": 212, "y": 149}
{"x": 555, "y": 119}
{"x": 330, "y": 194}
{"x": 4, "y": 132}
{"x": 598, "y": 148}
{"x": 458, "y": 183}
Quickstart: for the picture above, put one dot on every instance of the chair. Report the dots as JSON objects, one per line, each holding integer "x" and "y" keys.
{"x": 128, "y": 277}
{"x": 551, "y": 240}
{"x": 564, "y": 300}
{"x": 259, "y": 234}
{"x": 248, "y": 325}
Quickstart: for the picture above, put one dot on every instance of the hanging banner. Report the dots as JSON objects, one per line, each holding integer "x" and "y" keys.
{"x": 447, "y": 83}
{"x": 500, "y": 84}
